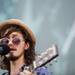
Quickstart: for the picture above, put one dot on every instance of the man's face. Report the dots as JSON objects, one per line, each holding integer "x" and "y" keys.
{"x": 17, "y": 45}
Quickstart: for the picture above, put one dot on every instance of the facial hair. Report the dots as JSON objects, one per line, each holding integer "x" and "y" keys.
{"x": 11, "y": 57}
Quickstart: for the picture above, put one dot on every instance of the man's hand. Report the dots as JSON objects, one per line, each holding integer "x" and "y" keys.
{"x": 26, "y": 72}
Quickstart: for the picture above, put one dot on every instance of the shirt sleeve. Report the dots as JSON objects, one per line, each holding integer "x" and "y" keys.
{"x": 43, "y": 71}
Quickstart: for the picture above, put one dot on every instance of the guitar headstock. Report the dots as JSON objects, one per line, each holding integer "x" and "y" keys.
{"x": 46, "y": 56}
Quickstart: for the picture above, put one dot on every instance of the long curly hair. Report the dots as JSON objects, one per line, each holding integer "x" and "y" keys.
{"x": 29, "y": 54}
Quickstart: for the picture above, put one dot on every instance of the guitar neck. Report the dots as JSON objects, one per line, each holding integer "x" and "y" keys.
{"x": 46, "y": 57}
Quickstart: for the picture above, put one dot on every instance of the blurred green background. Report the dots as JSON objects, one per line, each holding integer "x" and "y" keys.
{"x": 52, "y": 21}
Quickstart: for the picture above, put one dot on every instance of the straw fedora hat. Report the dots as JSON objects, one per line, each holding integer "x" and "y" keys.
{"x": 12, "y": 22}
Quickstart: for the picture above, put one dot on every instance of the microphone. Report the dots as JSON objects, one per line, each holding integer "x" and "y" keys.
{"x": 4, "y": 49}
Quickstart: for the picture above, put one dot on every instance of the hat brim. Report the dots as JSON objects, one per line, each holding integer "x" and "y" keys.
{"x": 6, "y": 24}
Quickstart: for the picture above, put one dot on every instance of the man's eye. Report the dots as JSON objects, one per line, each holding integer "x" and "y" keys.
{"x": 16, "y": 41}
{"x": 4, "y": 41}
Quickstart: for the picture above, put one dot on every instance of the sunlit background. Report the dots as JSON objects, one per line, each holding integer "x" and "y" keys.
{"x": 52, "y": 21}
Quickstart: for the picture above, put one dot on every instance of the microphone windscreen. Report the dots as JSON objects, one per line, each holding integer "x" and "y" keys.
{"x": 4, "y": 49}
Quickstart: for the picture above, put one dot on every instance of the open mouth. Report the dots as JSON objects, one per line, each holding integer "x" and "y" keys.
{"x": 12, "y": 49}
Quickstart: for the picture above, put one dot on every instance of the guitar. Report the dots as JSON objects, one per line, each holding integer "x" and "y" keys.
{"x": 44, "y": 58}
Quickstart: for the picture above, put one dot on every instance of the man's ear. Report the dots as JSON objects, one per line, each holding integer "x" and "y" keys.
{"x": 26, "y": 45}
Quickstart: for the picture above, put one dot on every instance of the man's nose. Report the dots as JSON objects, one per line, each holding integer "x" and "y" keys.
{"x": 10, "y": 43}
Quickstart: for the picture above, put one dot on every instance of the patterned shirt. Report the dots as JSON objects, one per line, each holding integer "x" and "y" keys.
{"x": 43, "y": 71}
{"x": 39, "y": 71}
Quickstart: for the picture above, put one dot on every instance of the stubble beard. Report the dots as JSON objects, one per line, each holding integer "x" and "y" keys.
{"x": 11, "y": 57}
